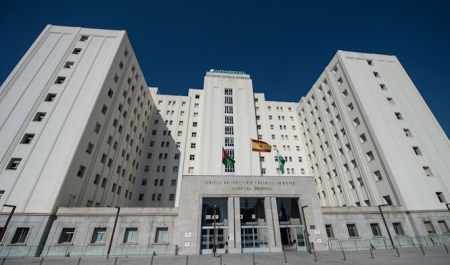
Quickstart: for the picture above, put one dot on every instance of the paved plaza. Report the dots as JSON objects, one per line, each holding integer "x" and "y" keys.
{"x": 411, "y": 256}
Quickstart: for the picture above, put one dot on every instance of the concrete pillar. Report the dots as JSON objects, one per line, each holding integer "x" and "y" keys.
{"x": 237, "y": 226}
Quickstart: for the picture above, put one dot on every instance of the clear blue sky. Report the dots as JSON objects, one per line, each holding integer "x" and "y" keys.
{"x": 283, "y": 45}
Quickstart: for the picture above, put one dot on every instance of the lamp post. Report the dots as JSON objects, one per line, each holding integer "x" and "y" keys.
{"x": 448, "y": 208}
{"x": 385, "y": 224}
{"x": 214, "y": 241}
{"x": 306, "y": 229}
{"x": 112, "y": 235}
{"x": 7, "y": 221}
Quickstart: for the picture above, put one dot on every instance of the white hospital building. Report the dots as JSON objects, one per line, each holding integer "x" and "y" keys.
{"x": 82, "y": 133}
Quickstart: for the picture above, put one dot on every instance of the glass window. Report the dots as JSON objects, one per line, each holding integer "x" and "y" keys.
{"x": 375, "y": 230}
{"x": 352, "y": 231}
{"x": 398, "y": 229}
{"x": 161, "y": 234}
{"x": 20, "y": 236}
{"x": 99, "y": 235}
{"x": 66, "y": 235}
{"x": 130, "y": 235}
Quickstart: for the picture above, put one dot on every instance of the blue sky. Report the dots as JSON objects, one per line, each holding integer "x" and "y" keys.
{"x": 283, "y": 45}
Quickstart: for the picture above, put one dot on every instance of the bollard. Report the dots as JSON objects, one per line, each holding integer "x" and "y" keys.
{"x": 421, "y": 248}
{"x": 371, "y": 253}
{"x": 42, "y": 260}
{"x": 187, "y": 260}
{"x": 79, "y": 261}
{"x": 254, "y": 263}
{"x": 343, "y": 253}
{"x": 398, "y": 253}
{"x": 151, "y": 261}
{"x": 220, "y": 259}
{"x": 446, "y": 249}
{"x": 115, "y": 261}
{"x": 285, "y": 260}
{"x": 3, "y": 261}
{"x": 315, "y": 256}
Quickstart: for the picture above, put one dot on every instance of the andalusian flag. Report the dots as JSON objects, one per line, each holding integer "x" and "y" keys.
{"x": 281, "y": 162}
{"x": 226, "y": 160}
{"x": 260, "y": 146}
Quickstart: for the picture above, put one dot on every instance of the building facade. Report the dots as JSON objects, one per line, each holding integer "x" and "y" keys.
{"x": 81, "y": 131}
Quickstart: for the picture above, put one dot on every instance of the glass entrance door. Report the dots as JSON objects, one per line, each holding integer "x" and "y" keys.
{"x": 214, "y": 218}
{"x": 292, "y": 237}
{"x": 254, "y": 239}
{"x": 207, "y": 241}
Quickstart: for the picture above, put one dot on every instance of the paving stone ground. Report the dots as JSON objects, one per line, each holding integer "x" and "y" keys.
{"x": 410, "y": 256}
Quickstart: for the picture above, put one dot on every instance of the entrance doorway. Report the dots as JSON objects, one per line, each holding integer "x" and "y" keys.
{"x": 292, "y": 237}
{"x": 214, "y": 225}
{"x": 254, "y": 239}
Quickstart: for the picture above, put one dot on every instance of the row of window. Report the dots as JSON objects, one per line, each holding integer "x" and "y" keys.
{"x": 98, "y": 235}
{"x": 156, "y": 197}
{"x": 376, "y": 231}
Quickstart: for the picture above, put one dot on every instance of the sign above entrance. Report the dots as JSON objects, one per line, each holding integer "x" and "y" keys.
{"x": 227, "y": 72}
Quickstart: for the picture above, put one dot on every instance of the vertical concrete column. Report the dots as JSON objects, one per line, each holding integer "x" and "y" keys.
{"x": 274, "y": 246}
{"x": 276, "y": 222}
{"x": 231, "y": 228}
{"x": 237, "y": 226}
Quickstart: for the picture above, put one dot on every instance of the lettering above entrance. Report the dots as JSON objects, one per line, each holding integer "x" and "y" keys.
{"x": 244, "y": 185}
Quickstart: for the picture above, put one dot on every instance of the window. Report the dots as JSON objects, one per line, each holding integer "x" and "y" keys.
{"x": 383, "y": 87}
{"x": 97, "y": 127}
{"x": 192, "y": 157}
{"x": 27, "y": 138}
{"x": 442, "y": 225}
{"x": 391, "y": 101}
{"x": 99, "y": 235}
{"x": 130, "y": 235}
{"x": 376, "y": 74}
{"x": 159, "y": 197}
{"x": 350, "y": 107}
{"x": 427, "y": 171}
{"x": 66, "y": 235}
{"x": 104, "y": 181}
{"x": 194, "y": 124}
{"x": 161, "y": 234}
{"x": 97, "y": 179}
{"x": 441, "y": 197}
{"x": 388, "y": 200}
{"x": 352, "y": 231}
{"x": 84, "y": 38}
{"x": 370, "y": 156}
{"x": 356, "y": 122}
{"x": 39, "y": 116}
{"x": 20, "y": 236}
{"x": 377, "y": 175}
{"x": 193, "y": 145}
{"x": 398, "y": 115}
{"x": 60, "y": 80}
{"x": 80, "y": 172}
{"x": 14, "y": 163}
{"x": 362, "y": 138}
{"x": 398, "y": 229}
{"x": 429, "y": 227}
{"x": 197, "y": 96}
{"x": 175, "y": 169}
{"x": 417, "y": 150}
{"x": 171, "y": 197}
{"x": 141, "y": 197}
{"x": 407, "y": 132}
{"x": 375, "y": 230}
{"x": 50, "y": 97}
{"x": 68, "y": 65}
{"x": 329, "y": 230}
{"x": 104, "y": 109}
{"x": 191, "y": 170}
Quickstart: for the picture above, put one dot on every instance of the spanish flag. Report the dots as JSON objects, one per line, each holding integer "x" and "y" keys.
{"x": 260, "y": 146}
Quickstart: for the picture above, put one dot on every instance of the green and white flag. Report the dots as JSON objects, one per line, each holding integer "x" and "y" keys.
{"x": 281, "y": 162}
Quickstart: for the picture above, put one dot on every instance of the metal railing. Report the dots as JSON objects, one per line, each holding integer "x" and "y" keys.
{"x": 384, "y": 243}
{"x": 88, "y": 250}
